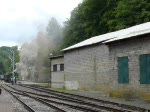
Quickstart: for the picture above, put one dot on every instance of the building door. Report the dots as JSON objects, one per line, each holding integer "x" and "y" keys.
{"x": 145, "y": 69}
{"x": 123, "y": 71}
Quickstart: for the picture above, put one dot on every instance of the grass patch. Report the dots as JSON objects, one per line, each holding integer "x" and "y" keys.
{"x": 64, "y": 90}
{"x": 47, "y": 85}
{"x": 115, "y": 94}
{"x": 146, "y": 97}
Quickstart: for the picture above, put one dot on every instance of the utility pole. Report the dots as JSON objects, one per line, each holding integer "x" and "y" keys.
{"x": 13, "y": 64}
{"x": 13, "y": 68}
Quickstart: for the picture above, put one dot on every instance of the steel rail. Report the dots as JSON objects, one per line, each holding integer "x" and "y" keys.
{"x": 24, "y": 104}
{"x": 56, "y": 102}
{"x": 92, "y": 105}
{"x": 134, "y": 108}
{"x": 37, "y": 99}
{"x": 99, "y": 107}
{"x": 83, "y": 108}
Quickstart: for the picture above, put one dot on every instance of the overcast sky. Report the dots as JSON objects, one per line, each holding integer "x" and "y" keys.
{"x": 21, "y": 19}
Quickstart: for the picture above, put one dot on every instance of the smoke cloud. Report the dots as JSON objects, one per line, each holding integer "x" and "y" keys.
{"x": 34, "y": 55}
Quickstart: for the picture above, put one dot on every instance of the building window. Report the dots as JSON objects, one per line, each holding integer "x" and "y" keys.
{"x": 61, "y": 67}
{"x": 123, "y": 71}
{"x": 54, "y": 67}
{"x": 145, "y": 69}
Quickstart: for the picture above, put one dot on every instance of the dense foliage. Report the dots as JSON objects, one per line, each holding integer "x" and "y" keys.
{"x": 95, "y": 17}
{"x": 129, "y": 13}
{"x": 5, "y": 61}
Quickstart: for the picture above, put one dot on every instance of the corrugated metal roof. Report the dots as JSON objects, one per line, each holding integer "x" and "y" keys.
{"x": 59, "y": 56}
{"x": 113, "y": 36}
{"x": 132, "y": 32}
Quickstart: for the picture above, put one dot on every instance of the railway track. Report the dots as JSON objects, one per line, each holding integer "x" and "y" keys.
{"x": 77, "y": 108}
{"x": 79, "y": 102}
{"x": 23, "y": 97}
{"x": 93, "y": 101}
{"x": 24, "y": 104}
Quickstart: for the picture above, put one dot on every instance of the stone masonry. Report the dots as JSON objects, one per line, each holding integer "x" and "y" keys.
{"x": 95, "y": 67}
{"x": 57, "y": 77}
{"x": 88, "y": 66}
{"x": 133, "y": 48}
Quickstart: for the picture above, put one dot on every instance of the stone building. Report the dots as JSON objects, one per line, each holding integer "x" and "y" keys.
{"x": 57, "y": 71}
{"x": 130, "y": 62}
{"x": 85, "y": 67}
{"x": 116, "y": 62}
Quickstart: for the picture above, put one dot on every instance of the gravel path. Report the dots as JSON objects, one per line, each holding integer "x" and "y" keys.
{"x": 6, "y": 104}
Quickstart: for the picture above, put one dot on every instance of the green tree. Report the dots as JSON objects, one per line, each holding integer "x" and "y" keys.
{"x": 129, "y": 13}
{"x": 5, "y": 54}
{"x": 87, "y": 20}
{"x": 2, "y": 68}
